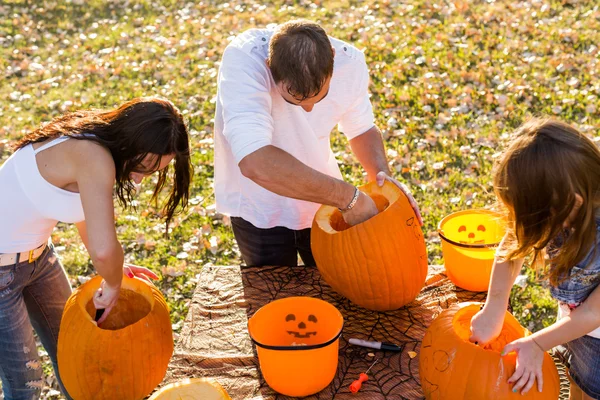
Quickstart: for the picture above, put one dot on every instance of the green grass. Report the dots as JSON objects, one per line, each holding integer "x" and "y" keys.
{"x": 449, "y": 81}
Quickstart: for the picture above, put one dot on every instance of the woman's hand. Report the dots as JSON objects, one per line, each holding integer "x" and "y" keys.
{"x": 139, "y": 272}
{"x": 106, "y": 298}
{"x": 530, "y": 358}
{"x": 485, "y": 326}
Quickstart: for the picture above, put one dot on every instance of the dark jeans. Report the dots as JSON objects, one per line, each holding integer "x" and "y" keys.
{"x": 32, "y": 296}
{"x": 273, "y": 246}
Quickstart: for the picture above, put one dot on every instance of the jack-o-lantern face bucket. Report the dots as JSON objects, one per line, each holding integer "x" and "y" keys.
{"x": 297, "y": 341}
{"x": 125, "y": 358}
{"x": 469, "y": 242}
{"x": 451, "y": 367}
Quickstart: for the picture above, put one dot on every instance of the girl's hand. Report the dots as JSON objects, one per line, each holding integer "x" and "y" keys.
{"x": 485, "y": 327}
{"x": 530, "y": 358}
{"x": 139, "y": 272}
{"x": 106, "y": 298}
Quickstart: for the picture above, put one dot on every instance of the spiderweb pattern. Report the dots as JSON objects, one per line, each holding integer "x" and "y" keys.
{"x": 215, "y": 343}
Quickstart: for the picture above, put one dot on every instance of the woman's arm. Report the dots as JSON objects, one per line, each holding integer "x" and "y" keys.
{"x": 95, "y": 178}
{"x": 94, "y": 171}
{"x": 82, "y": 229}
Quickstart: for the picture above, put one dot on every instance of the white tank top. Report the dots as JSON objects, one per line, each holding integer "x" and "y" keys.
{"x": 32, "y": 206}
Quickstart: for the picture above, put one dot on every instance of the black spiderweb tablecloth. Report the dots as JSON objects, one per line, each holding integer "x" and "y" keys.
{"x": 215, "y": 343}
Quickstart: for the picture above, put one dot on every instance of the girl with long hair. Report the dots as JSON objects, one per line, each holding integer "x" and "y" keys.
{"x": 548, "y": 181}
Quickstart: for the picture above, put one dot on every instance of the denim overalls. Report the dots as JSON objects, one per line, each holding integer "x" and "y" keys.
{"x": 583, "y": 354}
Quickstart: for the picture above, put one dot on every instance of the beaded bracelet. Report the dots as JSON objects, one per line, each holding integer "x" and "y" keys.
{"x": 352, "y": 202}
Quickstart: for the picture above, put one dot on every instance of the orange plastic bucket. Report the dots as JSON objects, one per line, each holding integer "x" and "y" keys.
{"x": 469, "y": 242}
{"x": 297, "y": 341}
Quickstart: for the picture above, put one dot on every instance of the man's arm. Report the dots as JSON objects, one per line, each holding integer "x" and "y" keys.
{"x": 369, "y": 150}
{"x": 281, "y": 173}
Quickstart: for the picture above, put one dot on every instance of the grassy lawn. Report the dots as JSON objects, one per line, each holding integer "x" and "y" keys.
{"x": 450, "y": 80}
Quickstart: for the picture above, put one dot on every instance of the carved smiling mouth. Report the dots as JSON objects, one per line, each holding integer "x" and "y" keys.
{"x": 302, "y": 335}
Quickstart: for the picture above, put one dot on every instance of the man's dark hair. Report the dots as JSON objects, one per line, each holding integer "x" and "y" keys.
{"x": 301, "y": 56}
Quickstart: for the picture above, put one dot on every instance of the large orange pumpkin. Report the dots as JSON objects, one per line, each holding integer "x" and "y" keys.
{"x": 127, "y": 357}
{"x": 192, "y": 389}
{"x": 380, "y": 264}
{"x": 451, "y": 367}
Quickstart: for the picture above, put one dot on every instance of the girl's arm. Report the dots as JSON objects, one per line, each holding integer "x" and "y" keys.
{"x": 486, "y": 325}
{"x": 578, "y": 323}
{"x": 530, "y": 350}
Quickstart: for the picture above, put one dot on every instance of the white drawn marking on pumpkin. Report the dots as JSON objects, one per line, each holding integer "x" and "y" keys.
{"x": 26, "y": 349}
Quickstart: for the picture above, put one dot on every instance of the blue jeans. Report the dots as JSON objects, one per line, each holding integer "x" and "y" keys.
{"x": 32, "y": 296}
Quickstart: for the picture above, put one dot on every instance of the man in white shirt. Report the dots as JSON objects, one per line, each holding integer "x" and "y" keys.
{"x": 280, "y": 93}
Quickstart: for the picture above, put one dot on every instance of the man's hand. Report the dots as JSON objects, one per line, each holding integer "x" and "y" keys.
{"x": 382, "y": 177}
{"x": 364, "y": 209}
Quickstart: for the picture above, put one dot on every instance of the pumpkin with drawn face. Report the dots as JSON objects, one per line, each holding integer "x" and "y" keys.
{"x": 469, "y": 241}
{"x": 301, "y": 329}
{"x": 451, "y": 367}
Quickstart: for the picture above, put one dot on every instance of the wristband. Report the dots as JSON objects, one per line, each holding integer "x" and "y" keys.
{"x": 352, "y": 202}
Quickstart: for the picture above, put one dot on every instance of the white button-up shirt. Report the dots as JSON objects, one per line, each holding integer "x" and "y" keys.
{"x": 251, "y": 114}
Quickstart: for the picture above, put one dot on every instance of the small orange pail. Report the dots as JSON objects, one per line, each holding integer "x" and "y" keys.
{"x": 469, "y": 242}
{"x": 297, "y": 341}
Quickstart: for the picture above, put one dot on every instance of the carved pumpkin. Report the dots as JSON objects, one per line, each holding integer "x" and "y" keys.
{"x": 124, "y": 359}
{"x": 192, "y": 389}
{"x": 380, "y": 264}
{"x": 450, "y": 367}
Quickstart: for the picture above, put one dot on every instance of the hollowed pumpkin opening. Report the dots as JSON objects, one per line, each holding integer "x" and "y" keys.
{"x": 336, "y": 220}
{"x": 131, "y": 307}
{"x": 462, "y": 327}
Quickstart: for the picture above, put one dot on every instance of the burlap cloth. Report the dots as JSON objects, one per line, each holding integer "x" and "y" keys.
{"x": 214, "y": 341}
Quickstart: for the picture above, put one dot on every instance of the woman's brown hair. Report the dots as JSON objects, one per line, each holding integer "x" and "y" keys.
{"x": 547, "y": 163}
{"x": 130, "y": 132}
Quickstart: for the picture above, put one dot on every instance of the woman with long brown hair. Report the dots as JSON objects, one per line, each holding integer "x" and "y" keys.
{"x": 67, "y": 170}
{"x": 548, "y": 180}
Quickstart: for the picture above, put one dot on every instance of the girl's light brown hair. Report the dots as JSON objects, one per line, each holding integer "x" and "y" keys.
{"x": 545, "y": 164}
